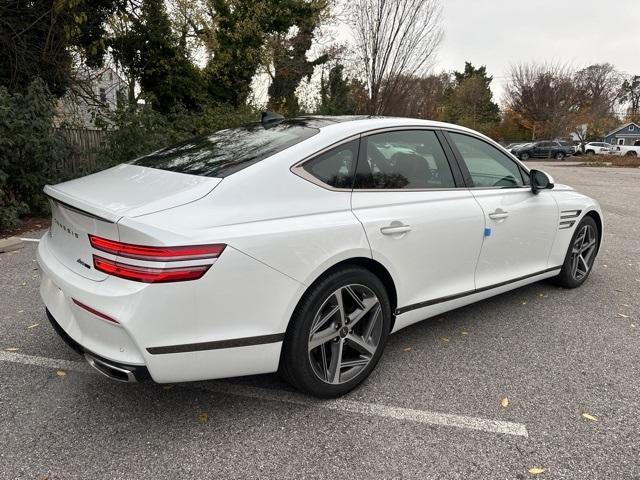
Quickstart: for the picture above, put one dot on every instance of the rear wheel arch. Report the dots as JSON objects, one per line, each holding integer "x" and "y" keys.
{"x": 374, "y": 267}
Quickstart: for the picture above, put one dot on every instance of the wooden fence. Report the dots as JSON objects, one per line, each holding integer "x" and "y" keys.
{"x": 85, "y": 144}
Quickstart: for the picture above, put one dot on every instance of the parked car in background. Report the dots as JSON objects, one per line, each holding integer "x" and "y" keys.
{"x": 511, "y": 146}
{"x": 628, "y": 150}
{"x": 597, "y": 148}
{"x": 543, "y": 149}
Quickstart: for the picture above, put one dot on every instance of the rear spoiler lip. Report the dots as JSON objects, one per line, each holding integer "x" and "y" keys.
{"x": 69, "y": 202}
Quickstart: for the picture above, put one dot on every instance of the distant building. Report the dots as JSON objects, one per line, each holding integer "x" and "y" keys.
{"x": 624, "y": 135}
{"x": 99, "y": 93}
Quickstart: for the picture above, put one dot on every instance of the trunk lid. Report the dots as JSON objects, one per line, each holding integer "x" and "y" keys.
{"x": 94, "y": 204}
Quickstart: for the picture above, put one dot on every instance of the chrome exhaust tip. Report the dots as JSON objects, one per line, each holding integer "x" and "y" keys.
{"x": 114, "y": 372}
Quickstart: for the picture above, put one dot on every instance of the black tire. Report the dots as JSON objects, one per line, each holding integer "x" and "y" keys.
{"x": 559, "y": 156}
{"x": 525, "y": 156}
{"x": 567, "y": 278}
{"x": 631, "y": 153}
{"x": 296, "y": 360}
{"x": 590, "y": 153}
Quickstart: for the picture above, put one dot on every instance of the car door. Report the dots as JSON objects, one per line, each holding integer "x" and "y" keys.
{"x": 421, "y": 223}
{"x": 520, "y": 226}
{"x": 544, "y": 150}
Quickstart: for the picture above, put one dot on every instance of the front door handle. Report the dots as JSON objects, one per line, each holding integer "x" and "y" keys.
{"x": 499, "y": 214}
{"x": 395, "y": 228}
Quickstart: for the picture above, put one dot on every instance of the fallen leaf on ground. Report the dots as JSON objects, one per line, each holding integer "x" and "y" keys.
{"x": 61, "y": 373}
{"x": 445, "y": 339}
{"x": 406, "y": 349}
{"x": 203, "y": 417}
{"x": 167, "y": 387}
{"x": 464, "y": 333}
{"x": 11, "y": 349}
{"x": 34, "y": 325}
{"x": 536, "y": 470}
{"x": 504, "y": 403}
{"x": 524, "y": 303}
{"x": 591, "y": 418}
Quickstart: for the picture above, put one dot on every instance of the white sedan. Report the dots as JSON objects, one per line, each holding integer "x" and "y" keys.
{"x": 298, "y": 246}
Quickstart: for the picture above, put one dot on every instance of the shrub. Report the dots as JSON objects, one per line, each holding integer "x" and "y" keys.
{"x": 29, "y": 150}
{"x": 136, "y": 132}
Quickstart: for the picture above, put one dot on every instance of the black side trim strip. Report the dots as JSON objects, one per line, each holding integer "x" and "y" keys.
{"x": 79, "y": 210}
{"x": 448, "y": 298}
{"x": 232, "y": 343}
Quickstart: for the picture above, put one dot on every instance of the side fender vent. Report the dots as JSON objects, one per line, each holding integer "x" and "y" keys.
{"x": 568, "y": 218}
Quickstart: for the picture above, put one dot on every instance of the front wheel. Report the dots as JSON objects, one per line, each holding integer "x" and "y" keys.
{"x": 337, "y": 333}
{"x": 525, "y": 156}
{"x": 631, "y": 153}
{"x": 560, "y": 156}
{"x": 581, "y": 254}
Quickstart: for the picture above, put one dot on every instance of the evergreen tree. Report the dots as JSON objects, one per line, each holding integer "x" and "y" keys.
{"x": 335, "y": 98}
{"x": 36, "y": 37}
{"x": 470, "y": 100}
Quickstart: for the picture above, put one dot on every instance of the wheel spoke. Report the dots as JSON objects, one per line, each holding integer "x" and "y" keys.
{"x": 372, "y": 323}
{"x": 325, "y": 366}
{"x": 367, "y": 305}
{"x": 343, "y": 315}
{"x": 584, "y": 268}
{"x": 320, "y": 321}
{"x": 333, "y": 373}
{"x": 354, "y": 295}
{"x": 323, "y": 337}
{"x": 574, "y": 265}
{"x": 358, "y": 362}
{"x": 591, "y": 244}
{"x": 360, "y": 344}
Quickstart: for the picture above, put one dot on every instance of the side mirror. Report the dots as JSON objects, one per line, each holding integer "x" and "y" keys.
{"x": 540, "y": 181}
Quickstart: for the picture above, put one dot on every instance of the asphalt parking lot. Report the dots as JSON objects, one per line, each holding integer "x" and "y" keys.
{"x": 432, "y": 409}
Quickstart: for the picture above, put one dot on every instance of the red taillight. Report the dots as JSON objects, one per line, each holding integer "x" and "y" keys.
{"x": 148, "y": 274}
{"x": 94, "y": 311}
{"x": 162, "y": 254}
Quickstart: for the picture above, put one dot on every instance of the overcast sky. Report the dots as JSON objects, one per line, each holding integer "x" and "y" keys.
{"x": 497, "y": 33}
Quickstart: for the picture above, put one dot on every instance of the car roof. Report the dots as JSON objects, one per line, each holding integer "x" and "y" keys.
{"x": 354, "y": 124}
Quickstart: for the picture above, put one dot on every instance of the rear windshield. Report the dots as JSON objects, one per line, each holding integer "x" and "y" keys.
{"x": 227, "y": 151}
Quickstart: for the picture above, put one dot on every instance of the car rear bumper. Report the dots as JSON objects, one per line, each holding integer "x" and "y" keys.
{"x": 114, "y": 370}
{"x": 185, "y": 331}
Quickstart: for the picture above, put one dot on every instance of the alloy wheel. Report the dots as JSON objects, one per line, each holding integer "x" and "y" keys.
{"x": 345, "y": 334}
{"x": 583, "y": 252}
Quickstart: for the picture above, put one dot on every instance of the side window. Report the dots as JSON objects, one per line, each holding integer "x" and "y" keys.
{"x": 488, "y": 166}
{"x": 335, "y": 167}
{"x": 403, "y": 160}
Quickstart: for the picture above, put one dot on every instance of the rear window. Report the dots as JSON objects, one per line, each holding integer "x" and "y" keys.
{"x": 228, "y": 151}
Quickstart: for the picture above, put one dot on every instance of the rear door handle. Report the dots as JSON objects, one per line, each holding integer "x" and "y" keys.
{"x": 499, "y": 214}
{"x": 395, "y": 229}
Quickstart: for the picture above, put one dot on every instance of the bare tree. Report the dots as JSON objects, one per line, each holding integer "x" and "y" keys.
{"x": 424, "y": 97}
{"x": 598, "y": 88}
{"x": 630, "y": 97}
{"x": 395, "y": 40}
{"x": 544, "y": 96}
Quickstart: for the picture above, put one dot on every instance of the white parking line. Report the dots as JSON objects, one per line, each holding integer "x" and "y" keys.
{"x": 343, "y": 405}
{"x": 34, "y": 240}
{"x": 46, "y": 362}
